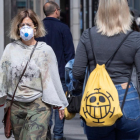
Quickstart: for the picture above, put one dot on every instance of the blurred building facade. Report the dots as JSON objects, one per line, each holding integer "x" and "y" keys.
{"x": 77, "y": 14}
{"x": 134, "y": 5}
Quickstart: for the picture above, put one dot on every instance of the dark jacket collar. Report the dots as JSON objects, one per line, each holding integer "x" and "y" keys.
{"x": 51, "y": 18}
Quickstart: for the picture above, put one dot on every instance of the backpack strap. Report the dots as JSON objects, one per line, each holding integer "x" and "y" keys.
{"x": 111, "y": 58}
{"x": 22, "y": 74}
{"x": 126, "y": 89}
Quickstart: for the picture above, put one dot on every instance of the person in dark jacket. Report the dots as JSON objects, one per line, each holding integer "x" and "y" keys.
{"x": 113, "y": 24}
{"x": 60, "y": 39}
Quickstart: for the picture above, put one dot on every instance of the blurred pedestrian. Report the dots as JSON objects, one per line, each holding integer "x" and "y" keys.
{"x": 40, "y": 86}
{"x": 60, "y": 39}
{"x": 138, "y": 21}
{"x": 113, "y": 24}
{"x": 134, "y": 25}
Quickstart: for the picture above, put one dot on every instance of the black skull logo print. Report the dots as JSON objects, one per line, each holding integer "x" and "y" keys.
{"x": 98, "y": 106}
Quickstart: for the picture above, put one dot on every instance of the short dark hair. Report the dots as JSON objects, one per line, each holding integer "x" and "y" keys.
{"x": 50, "y": 8}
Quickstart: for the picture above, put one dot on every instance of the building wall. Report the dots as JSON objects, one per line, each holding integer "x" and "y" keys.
{"x": 38, "y": 7}
{"x": 137, "y": 5}
{"x": 134, "y": 4}
{"x": 75, "y": 20}
{"x": 1, "y": 27}
{"x": 9, "y": 13}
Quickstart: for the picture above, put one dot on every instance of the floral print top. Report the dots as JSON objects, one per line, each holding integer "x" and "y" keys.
{"x": 41, "y": 78}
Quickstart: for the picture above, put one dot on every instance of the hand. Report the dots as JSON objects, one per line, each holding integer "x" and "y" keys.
{"x": 61, "y": 114}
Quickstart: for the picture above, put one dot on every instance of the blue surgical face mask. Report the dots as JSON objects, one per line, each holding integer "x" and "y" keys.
{"x": 26, "y": 33}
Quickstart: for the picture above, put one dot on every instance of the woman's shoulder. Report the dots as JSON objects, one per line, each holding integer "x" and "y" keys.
{"x": 85, "y": 34}
{"x": 134, "y": 38}
{"x": 9, "y": 46}
{"x": 8, "y": 49}
{"x": 135, "y": 34}
{"x": 14, "y": 44}
{"x": 45, "y": 47}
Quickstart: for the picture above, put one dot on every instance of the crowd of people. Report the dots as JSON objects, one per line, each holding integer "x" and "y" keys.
{"x": 42, "y": 88}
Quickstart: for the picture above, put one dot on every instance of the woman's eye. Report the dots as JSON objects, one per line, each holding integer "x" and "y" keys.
{"x": 21, "y": 25}
{"x": 28, "y": 25}
{"x": 25, "y": 24}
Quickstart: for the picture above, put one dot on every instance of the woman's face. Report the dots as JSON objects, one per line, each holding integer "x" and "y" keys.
{"x": 27, "y": 29}
{"x": 27, "y": 21}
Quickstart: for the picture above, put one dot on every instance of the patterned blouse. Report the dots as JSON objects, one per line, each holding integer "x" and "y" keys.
{"x": 41, "y": 78}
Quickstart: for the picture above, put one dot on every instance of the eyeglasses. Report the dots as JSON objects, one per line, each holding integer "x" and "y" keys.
{"x": 59, "y": 10}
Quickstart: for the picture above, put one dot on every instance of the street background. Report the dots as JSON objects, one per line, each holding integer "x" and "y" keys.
{"x": 77, "y": 14}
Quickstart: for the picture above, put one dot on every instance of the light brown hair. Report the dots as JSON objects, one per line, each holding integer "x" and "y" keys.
{"x": 113, "y": 17}
{"x": 14, "y": 28}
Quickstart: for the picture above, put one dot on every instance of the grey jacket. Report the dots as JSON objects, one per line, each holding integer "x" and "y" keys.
{"x": 120, "y": 67}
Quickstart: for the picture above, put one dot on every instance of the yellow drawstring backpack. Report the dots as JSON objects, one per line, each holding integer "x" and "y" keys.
{"x": 67, "y": 114}
{"x": 100, "y": 102}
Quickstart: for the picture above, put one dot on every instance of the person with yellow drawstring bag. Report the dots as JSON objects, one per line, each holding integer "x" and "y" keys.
{"x": 100, "y": 103}
{"x": 110, "y": 106}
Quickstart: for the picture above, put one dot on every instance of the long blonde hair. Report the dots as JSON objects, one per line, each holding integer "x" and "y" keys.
{"x": 113, "y": 17}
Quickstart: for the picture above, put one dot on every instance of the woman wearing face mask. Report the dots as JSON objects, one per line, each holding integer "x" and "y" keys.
{"x": 39, "y": 87}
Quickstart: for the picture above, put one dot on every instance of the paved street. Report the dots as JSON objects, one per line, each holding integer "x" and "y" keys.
{"x": 72, "y": 130}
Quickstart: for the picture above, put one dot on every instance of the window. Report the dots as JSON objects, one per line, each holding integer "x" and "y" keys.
{"x": 21, "y": 4}
{"x": 87, "y": 13}
{"x": 24, "y": 4}
{"x": 65, "y": 11}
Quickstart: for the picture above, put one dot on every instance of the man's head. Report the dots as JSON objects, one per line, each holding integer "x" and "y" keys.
{"x": 51, "y": 9}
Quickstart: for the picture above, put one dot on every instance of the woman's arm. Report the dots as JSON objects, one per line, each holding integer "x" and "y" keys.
{"x": 4, "y": 63}
{"x": 137, "y": 62}
{"x": 81, "y": 59}
{"x": 51, "y": 83}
